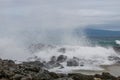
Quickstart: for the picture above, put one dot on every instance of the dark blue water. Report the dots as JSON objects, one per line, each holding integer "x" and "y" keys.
{"x": 102, "y": 37}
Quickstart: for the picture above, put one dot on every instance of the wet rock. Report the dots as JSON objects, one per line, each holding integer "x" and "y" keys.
{"x": 108, "y": 76}
{"x": 118, "y": 78}
{"x": 78, "y": 76}
{"x": 81, "y": 64}
{"x": 29, "y": 77}
{"x": 61, "y": 67}
{"x": 33, "y": 71}
{"x": 35, "y": 63}
{"x": 98, "y": 76}
{"x": 112, "y": 58}
{"x": 76, "y": 58}
{"x": 97, "y": 79}
{"x": 17, "y": 77}
{"x": 55, "y": 62}
{"x": 53, "y": 59}
{"x": 54, "y": 75}
{"x": 42, "y": 76}
{"x": 4, "y": 79}
{"x": 116, "y": 48}
{"x": 26, "y": 78}
{"x": 61, "y": 58}
{"x": 6, "y": 73}
{"x": 72, "y": 62}
{"x": 51, "y": 65}
{"x": 62, "y": 50}
{"x": 66, "y": 78}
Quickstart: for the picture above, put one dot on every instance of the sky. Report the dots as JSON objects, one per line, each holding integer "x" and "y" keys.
{"x": 23, "y": 22}
{"x": 48, "y": 14}
{"x": 48, "y": 19}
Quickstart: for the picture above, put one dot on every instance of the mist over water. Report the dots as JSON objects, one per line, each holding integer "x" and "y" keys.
{"x": 24, "y": 23}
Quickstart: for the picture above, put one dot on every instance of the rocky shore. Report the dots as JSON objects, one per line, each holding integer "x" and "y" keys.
{"x": 35, "y": 70}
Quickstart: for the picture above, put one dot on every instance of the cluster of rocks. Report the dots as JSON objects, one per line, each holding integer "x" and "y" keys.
{"x": 57, "y": 62}
{"x": 62, "y": 61}
{"x": 25, "y": 71}
{"x": 114, "y": 58}
{"x": 117, "y": 48}
{"x": 9, "y": 70}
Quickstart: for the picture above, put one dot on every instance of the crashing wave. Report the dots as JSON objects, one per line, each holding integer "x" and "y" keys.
{"x": 117, "y": 42}
{"x": 59, "y": 58}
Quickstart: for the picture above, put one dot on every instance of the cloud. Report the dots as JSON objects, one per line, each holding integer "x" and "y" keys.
{"x": 57, "y": 14}
{"x": 51, "y": 21}
{"x": 28, "y": 18}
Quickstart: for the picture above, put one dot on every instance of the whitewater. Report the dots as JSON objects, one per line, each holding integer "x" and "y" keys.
{"x": 26, "y": 22}
{"x": 117, "y": 42}
{"x": 88, "y": 58}
{"x": 85, "y": 57}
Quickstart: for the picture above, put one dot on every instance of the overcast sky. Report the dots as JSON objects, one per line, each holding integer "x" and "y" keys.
{"x": 49, "y": 14}
{"x": 54, "y": 19}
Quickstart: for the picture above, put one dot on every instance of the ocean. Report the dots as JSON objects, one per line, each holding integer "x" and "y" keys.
{"x": 98, "y": 52}
{"x": 53, "y": 33}
{"x": 105, "y": 41}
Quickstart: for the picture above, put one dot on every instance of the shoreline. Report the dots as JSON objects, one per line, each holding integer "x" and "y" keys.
{"x": 112, "y": 69}
{"x": 34, "y": 70}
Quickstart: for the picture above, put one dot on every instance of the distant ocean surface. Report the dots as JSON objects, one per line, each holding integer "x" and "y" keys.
{"x": 103, "y": 37}
{"x": 104, "y": 41}
{"x": 99, "y": 52}
{"x": 69, "y": 57}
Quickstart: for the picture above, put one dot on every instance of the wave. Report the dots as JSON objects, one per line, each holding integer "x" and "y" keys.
{"x": 117, "y": 42}
{"x": 61, "y": 58}
{"x": 75, "y": 57}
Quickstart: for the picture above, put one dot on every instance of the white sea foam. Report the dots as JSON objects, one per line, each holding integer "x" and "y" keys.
{"x": 92, "y": 57}
{"x": 117, "y": 42}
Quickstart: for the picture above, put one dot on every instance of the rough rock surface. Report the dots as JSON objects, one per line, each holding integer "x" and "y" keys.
{"x": 61, "y": 58}
{"x": 116, "y": 48}
{"x": 62, "y": 50}
{"x": 73, "y": 62}
{"x": 9, "y": 70}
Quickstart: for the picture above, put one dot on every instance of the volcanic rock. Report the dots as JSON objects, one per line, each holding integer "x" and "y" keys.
{"x": 73, "y": 62}
{"x": 108, "y": 76}
{"x": 61, "y": 58}
{"x": 62, "y": 50}
{"x": 116, "y": 48}
{"x": 34, "y": 71}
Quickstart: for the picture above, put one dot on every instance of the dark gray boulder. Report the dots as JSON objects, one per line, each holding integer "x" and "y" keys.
{"x": 114, "y": 58}
{"x": 62, "y": 50}
{"x": 65, "y": 78}
{"x": 61, "y": 58}
{"x": 52, "y": 63}
{"x": 17, "y": 77}
{"x": 108, "y": 76}
{"x": 117, "y": 48}
{"x": 72, "y": 62}
{"x": 53, "y": 59}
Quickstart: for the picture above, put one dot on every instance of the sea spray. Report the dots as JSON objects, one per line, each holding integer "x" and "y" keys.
{"x": 117, "y": 42}
{"x": 27, "y": 22}
{"x": 89, "y": 58}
